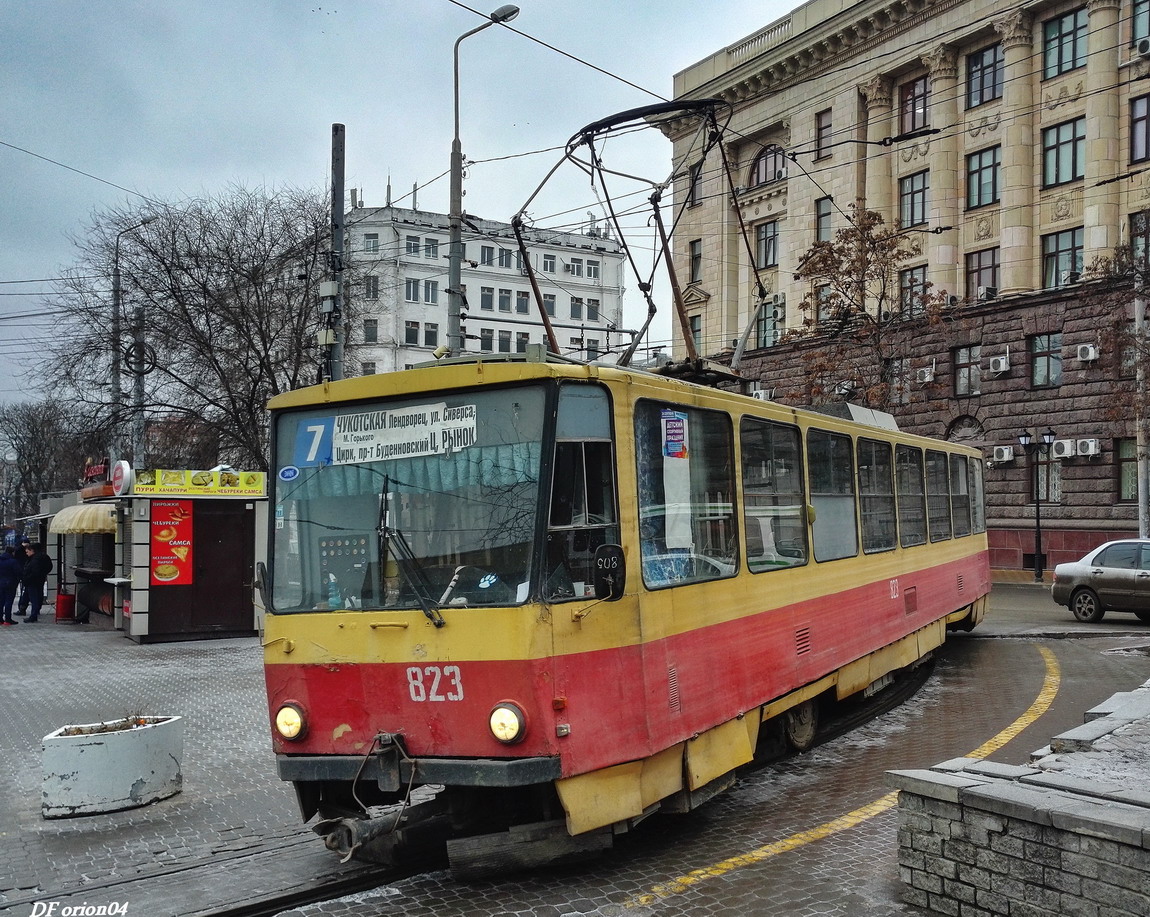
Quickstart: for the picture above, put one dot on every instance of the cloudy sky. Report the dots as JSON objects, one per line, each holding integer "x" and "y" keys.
{"x": 175, "y": 100}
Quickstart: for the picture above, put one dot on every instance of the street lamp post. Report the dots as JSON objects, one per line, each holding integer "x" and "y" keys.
{"x": 117, "y": 354}
{"x": 455, "y": 212}
{"x": 1033, "y": 447}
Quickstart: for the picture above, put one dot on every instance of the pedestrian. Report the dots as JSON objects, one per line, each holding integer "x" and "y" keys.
{"x": 36, "y": 570}
{"x": 10, "y": 574}
{"x": 22, "y": 559}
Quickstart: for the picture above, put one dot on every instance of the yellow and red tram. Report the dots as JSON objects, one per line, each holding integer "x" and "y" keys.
{"x": 571, "y": 595}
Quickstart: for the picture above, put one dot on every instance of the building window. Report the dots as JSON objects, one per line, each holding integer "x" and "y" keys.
{"x": 912, "y": 290}
{"x": 695, "y": 185}
{"x": 696, "y": 268}
{"x": 486, "y": 339}
{"x": 1064, "y": 43}
{"x": 696, "y": 322}
{"x": 1126, "y": 457}
{"x": 1140, "y": 128}
{"x": 431, "y": 291}
{"x": 771, "y": 322}
{"x": 592, "y": 269}
{"x": 823, "y": 134}
{"x": 411, "y": 289}
{"x": 981, "y": 273}
{"x": 575, "y": 267}
{"x": 549, "y": 304}
{"x": 413, "y": 245}
{"x": 896, "y": 374}
{"x": 519, "y": 262}
{"x": 577, "y": 308}
{"x": 1046, "y": 479}
{"x": 487, "y": 298}
{"x": 592, "y": 349}
{"x": 767, "y": 244}
{"x": 430, "y": 248}
{"x": 823, "y": 219}
{"x": 431, "y": 335}
{"x": 549, "y": 264}
{"x": 371, "y": 242}
{"x": 371, "y": 331}
{"x": 367, "y": 369}
{"x": 1046, "y": 360}
{"x": 411, "y": 333}
{"x": 824, "y": 302}
{"x": 1141, "y": 19}
{"x": 522, "y": 339}
{"x": 504, "y": 300}
{"x": 1061, "y": 256}
{"x": 522, "y": 302}
{"x": 505, "y": 257}
{"x": 371, "y": 287}
{"x": 913, "y": 105}
{"x": 1063, "y": 152}
{"x": 592, "y": 310}
{"x": 968, "y": 371}
{"x": 505, "y": 341}
{"x": 912, "y": 195}
{"x": 575, "y": 345}
{"x": 982, "y": 170}
{"x": 487, "y": 254}
{"x": 769, "y": 166}
{"x": 984, "y": 76}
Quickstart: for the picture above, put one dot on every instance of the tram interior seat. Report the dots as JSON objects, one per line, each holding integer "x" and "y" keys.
{"x": 764, "y": 549}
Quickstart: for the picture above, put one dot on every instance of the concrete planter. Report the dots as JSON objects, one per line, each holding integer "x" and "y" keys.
{"x": 105, "y": 767}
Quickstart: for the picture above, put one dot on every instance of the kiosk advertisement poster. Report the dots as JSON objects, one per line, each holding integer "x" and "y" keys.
{"x": 171, "y": 542}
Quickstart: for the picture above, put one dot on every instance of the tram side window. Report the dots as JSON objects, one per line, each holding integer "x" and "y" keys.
{"x": 938, "y": 495}
{"x": 582, "y": 513}
{"x": 959, "y": 496}
{"x": 977, "y": 496}
{"x": 876, "y": 495}
{"x": 831, "y": 463}
{"x": 685, "y": 476}
{"x": 911, "y": 495}
{"x": 772, "y": 467}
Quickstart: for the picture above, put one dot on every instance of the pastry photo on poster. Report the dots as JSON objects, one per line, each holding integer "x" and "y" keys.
{"x": 171, "y": 542}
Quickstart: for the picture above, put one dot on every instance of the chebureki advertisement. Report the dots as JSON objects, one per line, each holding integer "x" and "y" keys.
{"x": 171, "y": 542}
{"x": 199, "y": 483}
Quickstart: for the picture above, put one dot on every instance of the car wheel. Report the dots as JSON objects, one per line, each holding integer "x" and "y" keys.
{"x": 1086, "y": 607}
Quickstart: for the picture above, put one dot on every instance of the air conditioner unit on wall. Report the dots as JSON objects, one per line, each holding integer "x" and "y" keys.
{"x": 1087, "y": 352}
{"x": 1088, "y": 447}
{"x": 985, "y": 294}
{"x": 1143, "y": 47}
{"x": 1062, "y": 448}
{"x": 780, "y": 174}
{"x": 763, "y": 394}
{"x": 924, "y": 375}
{"x": 1000, "y": 364}
{"x": 1002, "y": 454}
{"x": 1068, "y": 277}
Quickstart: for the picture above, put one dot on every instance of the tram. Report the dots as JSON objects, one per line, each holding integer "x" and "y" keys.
{"x": 524, "y": 602}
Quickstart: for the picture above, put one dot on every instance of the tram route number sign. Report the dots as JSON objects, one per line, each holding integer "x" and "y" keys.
{"x": 385, "y": 435}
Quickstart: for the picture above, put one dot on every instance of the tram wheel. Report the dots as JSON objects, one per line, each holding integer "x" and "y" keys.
{"x": 800, "y": 725}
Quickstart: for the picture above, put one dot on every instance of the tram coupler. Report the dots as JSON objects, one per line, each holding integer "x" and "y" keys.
{"x": 400, "y": 835}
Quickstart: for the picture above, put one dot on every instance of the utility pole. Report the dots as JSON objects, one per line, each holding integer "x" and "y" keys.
{"x": 1141, "y": 263}
{"x": 331, "y": 293}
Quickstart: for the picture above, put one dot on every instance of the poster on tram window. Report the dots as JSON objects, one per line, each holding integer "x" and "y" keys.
{"x": 171, "y": 542}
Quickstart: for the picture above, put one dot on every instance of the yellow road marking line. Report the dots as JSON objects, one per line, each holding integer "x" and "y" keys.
{"x": 1041, "y": 704}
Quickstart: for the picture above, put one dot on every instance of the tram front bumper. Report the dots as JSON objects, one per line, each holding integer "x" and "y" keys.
{"x": 391, "y": 771}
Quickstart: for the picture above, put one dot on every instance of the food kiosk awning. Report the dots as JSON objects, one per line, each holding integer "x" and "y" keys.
{"x": 86, "y": 519}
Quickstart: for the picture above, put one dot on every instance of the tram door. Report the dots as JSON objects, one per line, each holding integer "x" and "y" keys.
{"x": 214, "y": 595}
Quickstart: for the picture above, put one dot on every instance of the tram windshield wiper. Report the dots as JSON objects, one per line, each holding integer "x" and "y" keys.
{"x": 405, "y": 560}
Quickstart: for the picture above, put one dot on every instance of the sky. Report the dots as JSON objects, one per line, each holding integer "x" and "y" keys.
{"x": 179, "y": 100}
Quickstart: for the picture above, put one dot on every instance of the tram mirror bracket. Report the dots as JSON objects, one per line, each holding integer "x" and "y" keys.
{"x": 610, "y": 572}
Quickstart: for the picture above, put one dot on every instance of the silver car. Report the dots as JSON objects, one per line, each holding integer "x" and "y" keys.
{"x": 1114, "y": 576}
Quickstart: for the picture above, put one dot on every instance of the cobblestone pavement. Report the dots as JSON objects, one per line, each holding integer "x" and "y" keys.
{"x": 233, "y": 833}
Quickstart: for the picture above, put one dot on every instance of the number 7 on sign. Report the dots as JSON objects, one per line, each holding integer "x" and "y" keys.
{"x": 313, "y": 443}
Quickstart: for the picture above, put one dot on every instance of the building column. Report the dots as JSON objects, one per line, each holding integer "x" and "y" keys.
{"x": 945, "y": 182}
{"x": 1019, "y": 259}
{"x": 1103, "y": 126}
{"x": 876, "y": 95}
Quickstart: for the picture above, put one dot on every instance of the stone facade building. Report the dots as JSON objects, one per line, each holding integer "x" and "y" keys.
{"x": 1011, "y": 145}
{"x": 399, "y": 300}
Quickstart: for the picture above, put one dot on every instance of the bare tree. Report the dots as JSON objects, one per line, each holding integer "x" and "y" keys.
{"x": 223, "y": 293}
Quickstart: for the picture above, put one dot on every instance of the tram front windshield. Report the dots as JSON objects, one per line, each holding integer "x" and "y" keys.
{"x": 428, "y": 501}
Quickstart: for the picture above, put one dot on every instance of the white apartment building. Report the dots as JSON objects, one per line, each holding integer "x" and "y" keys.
{"x": 398, "y": 301}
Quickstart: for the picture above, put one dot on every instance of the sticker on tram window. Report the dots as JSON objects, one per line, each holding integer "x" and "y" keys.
{"x": 432, "y": 683}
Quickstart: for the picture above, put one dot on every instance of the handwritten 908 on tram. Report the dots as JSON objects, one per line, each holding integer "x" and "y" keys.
{"x": 516, "y": 606}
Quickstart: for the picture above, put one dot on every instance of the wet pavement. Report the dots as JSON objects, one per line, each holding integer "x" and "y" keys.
{"x": 805, "y": 836}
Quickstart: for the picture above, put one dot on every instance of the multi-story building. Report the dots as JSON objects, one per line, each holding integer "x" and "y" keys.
{"x": 1011, "y": 145}
{"x": 399, "y": 298}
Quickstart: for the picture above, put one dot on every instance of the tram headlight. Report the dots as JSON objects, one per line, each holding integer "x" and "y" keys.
{"x": 507, "y": 723}
{"x": 290, "y": 723}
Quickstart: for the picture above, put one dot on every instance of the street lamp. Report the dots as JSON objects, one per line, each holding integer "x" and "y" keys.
{"x": 117, "y": 355}
{"x": 1031, "y": 447}
{"x": 455, "y": 213}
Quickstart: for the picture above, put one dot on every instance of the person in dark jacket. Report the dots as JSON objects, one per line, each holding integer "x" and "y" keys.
{"x": 10, "y": 574}
{"x": 36, "y": 570}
